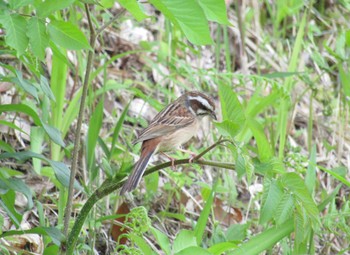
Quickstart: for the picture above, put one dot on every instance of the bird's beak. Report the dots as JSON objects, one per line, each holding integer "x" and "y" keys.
{"x": 213, "y": 115}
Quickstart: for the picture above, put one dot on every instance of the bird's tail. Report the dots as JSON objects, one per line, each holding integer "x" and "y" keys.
{"x": 136, "y": 174}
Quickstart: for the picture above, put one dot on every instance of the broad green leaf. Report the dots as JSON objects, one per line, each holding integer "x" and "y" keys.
{"x": 271, "y": 197}
{"x": 264, "y": 147}
{"x": 265, "y": 240}
{"x": 25, "y": 85}
{"x": 71, "y": 112}
{"x": 23, "y": 109}
{"x": 6, "y": 147}
{"x": 15, "y": 4}
{"x": 162, "y": 240}
{"x": 45, "y": 8}
{"x": 12, "y": 125}
{"x": 142, "y": 244}
{"x": 67, "y": 35}
{"x": 54, "y": 134}
{"x": 230, "y": 106}
{"x": 228, "y": 128}
{"x": 188, "y": 16}
{"x": 236, "y": 232}
{"x": 194, "y": 250}
{"x": 296, "y": 185}
{"x": 62, "y": 172}
{"x": 134, "y": 8}
{"x": 38, "y": 37}
{"x": 215, "y": 10}
{"x": 7, "y": 202}
{"x": 15, "y": 26}
{"x": 45, "y": 87}
{"x": 185, "y": 238}
{"x": 284, "y": 209}
{"x": 18, "y": 185}
{"x": 221, "y": 248}
{"x": 54, "y": 233}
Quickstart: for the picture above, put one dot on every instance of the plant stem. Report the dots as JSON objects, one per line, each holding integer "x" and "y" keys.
{"x": 111, "y": 185}
{"x": 93, "y": 36}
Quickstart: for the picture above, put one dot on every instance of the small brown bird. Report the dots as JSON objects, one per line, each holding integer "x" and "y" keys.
{"x": 170, "y": 128}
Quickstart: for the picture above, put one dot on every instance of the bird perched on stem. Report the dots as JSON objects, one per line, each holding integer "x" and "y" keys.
{"x": 170, "y": 128}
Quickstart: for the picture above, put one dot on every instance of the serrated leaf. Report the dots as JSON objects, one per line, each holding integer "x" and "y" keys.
{"x": 15, "y": 4}
{"x": 67, "y": 35}
{"x": 271, "y": 197}
{"x": 15, "y": 26}
{"x": 284, "y": 209}
{"x": 134, "y": 8}
{"x": 38, "y": 37}
{"x": 188, "y": 16}
{"x": 215, "y": 10}
{"x": 47, "y": 7}
{"x": 296, "y": 185}
{"x": 231, "y": 107}
{"x": 228, "y": 128}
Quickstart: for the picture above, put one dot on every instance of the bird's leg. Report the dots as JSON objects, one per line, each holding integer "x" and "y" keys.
{"x": 171, "y": 159}
{"x": 192, "y": 154}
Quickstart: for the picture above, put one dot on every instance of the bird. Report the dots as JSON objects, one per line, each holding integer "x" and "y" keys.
{"x": 173, "y": 126}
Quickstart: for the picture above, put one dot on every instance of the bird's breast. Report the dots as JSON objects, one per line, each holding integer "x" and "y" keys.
{"x": 179, "y": 137}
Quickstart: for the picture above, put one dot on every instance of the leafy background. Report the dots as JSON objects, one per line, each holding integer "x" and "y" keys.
{"x": 275, "y": 180}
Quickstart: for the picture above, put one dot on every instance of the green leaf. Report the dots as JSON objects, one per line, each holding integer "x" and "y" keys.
{"x": 296, "y": 185}
{"x": 142, "y": 244}
{"x": 25, "y": 85}
{"x": 38, "y": 37}
{"x": 55, "y": 234}
{"x": 185, "y": 238}
{"x": 204, "y": 216}
{"x": 335, "y": 175}
{"x": 134, "y": 8}
{"x": 162, "y": 240}
{"x": 67, "y": 35}
{"x": 15, "y": 4}
{"x": 47, "y": 7}
{"x": 264, "y": 148}
{"x": 7, "y": 202}
{"x": 284, "y": 209}
{"x": 44, "y": 84}
{"x": 271, "y": 197}
{"x": 221, "y": 248}
{"x": 15, "y": 26}
{"x": 6, "y": 147}
{"x": 95, "y": 125}
{"x": 62, "y": 172}
{"x": 11, "y": 125}
{"x": 231, "y": 107}
{"x": 18, "y": 185}
{"x": 117, "y": 129}
{"x": 54, "y": 134}
{"x": 236, "y": 232}
{"x": 215, "y": 10}
{"x": 194, "y": 250}
{"x": 228, "y": 128}
{"x": 188, "y": 16}
{"x": 265, "y": 240}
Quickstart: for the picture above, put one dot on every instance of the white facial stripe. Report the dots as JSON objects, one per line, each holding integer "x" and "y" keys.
{"x": 203, "y": 101}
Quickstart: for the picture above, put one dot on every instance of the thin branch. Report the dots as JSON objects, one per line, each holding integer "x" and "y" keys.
{"x": 93, "y": 35}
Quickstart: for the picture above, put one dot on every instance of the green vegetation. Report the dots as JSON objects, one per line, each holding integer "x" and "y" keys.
{"x": 79, "y": 78}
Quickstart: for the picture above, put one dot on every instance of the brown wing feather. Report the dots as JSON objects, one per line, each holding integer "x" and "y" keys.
{"x": 165, "y": 122}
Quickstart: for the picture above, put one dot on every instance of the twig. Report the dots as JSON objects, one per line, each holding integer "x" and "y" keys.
{"x": 93, "y": 36}
{"x": 111, "y": 185}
